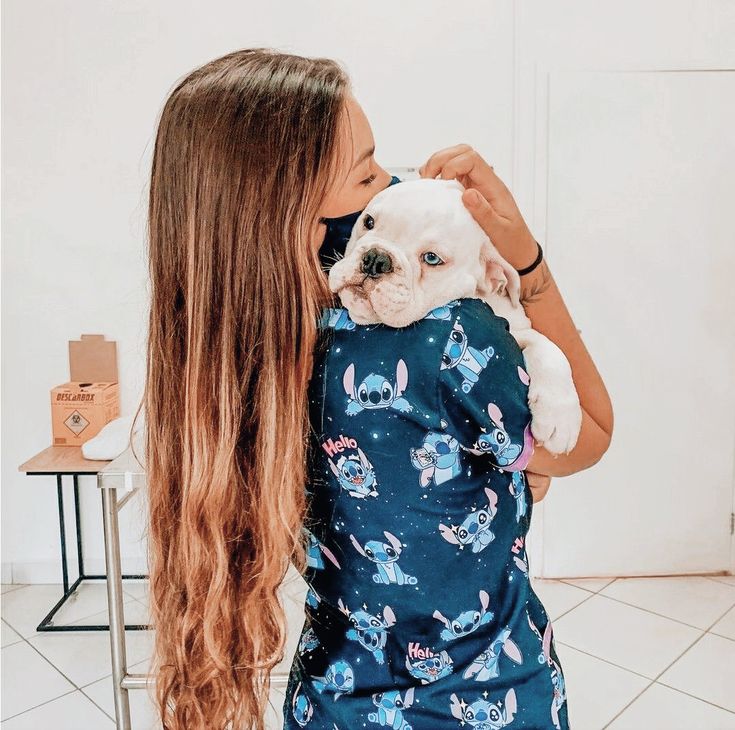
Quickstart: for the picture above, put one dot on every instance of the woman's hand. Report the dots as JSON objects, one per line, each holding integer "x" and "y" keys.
{"x": 494, "y": 208}
{"x": 539, "y": 484}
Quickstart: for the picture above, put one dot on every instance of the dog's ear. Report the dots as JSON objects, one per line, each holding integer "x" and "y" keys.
{"x": 500, "y": 276}
{"x": 495, "y": 277}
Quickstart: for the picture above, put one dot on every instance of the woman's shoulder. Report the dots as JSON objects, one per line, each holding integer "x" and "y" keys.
{"x": 475, "y": 309}
{"x": 468, "y": 309}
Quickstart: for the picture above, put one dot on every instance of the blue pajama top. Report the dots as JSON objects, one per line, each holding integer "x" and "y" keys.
{"x": 419, "y": 613}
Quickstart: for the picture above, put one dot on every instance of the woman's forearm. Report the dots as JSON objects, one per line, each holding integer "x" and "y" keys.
{"x": 549, "y": 315}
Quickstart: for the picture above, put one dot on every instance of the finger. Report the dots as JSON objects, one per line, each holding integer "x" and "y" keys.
{"x": 538, "y": 493}
{"x": 461, "y": 165}
{"x": 481, "y": 211}
{"x": 436, "y": 162}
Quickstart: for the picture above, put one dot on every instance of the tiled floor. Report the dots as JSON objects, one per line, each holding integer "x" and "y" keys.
{"x": 637, "y": 653}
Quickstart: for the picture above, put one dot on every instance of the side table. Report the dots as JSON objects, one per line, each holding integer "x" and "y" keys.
{"x": 65, "y": 461}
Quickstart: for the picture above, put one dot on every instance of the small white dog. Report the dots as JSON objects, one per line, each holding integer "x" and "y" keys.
{"x": 416, "y": 247}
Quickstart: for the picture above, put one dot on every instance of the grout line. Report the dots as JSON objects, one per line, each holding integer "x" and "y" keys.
{"x": 41, "y": 704}
{"x": 15, "y": 587}
{"x": 666, "y": 668}
{"x": 648, "y": 610}
{"x": 606, "y": 661}
{"x": 77, "y": 688}
{"x": 114, "y": 721}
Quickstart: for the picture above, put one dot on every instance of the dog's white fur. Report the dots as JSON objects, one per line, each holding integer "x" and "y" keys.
{"x": 384, "y": 278}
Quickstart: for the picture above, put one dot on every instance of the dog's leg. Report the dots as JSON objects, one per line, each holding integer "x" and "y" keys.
{"x": 552, "y": 397}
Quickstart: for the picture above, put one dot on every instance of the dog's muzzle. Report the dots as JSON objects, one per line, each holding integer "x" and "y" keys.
{"x": 374, "y": 263}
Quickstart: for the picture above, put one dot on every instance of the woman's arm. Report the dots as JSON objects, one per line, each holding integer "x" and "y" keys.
{"x": 549, "y": 315}
{"x": 496, "y": 211}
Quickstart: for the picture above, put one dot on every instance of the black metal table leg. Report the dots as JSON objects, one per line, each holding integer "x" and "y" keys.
{"x": 47, "y": 624}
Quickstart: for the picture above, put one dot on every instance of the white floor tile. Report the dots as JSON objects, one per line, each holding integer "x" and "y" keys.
{"x": 7, "y": 587}
{"x": 589, "y": 584}
{"x": 662, "y": 707}
{"x": 726, "y": 625}
{"x": 558, "y": 597}
{"x": 143, "y": 715}
{"x": 707, "y": 670}
{"x": 9, "y": 636}
{"x": 73, "y": 711}
{"x": 588, "y": 707}
{"x": 630, "y": 636}
{"x": 134, "y": 612}
{"x": 274, "y": 713}
{"x": 28, "y": 680}
{"x": 25, "y": 608}
{"x": 624, "y": 635}
{"x": 84, "y": 656}
{"x": 691, "y": 599}
{"x": 137, "y": 588}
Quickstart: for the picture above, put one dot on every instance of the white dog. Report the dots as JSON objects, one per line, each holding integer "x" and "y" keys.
{"x": 416, "y": 247}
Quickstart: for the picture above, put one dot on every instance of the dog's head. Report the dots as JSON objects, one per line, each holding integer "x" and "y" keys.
{"x": 416, "y": 247}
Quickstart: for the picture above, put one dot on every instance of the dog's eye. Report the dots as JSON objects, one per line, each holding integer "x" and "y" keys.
{"x": 432, "y": 259}
{"x": 369, "y": 222}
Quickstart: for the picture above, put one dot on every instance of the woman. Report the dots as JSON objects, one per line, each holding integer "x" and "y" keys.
{"x": 253, "y": 152}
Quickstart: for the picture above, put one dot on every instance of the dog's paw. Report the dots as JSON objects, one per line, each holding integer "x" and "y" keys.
{"x": 556, "y": 418}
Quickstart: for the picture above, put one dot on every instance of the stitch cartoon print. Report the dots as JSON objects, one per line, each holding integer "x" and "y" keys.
{"x": 420, "y": 612}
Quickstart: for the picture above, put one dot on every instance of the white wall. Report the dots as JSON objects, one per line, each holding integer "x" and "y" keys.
{"x": 608, "y": 121}
{"x": 82, "y": 86}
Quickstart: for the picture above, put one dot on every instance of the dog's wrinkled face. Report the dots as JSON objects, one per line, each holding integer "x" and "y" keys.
{"x": 416, "y": 247}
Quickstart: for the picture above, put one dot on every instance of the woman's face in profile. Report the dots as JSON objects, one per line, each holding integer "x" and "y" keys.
{"x": 361, "y": 177}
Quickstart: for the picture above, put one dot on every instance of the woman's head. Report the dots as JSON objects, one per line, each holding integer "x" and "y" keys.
{"x": 251, "y": 150}
{"x": 359, "y": 177}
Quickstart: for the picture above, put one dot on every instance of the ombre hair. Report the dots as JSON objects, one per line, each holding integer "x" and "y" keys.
{"x": 246, "y": 150}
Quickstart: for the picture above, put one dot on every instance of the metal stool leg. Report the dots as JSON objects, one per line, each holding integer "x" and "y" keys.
{"x": 115, "y": 607}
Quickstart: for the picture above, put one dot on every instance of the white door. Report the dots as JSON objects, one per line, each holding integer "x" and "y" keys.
{"x": 625, "y": 160}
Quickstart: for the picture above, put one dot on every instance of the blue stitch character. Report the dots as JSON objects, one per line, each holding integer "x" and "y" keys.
{"x": 376, "y": 391}
{"x": 356, "y": 475}
{"x": 442, "y": 312}
{"x": 429, "y": 668}
{"x": 337, "y": 318}
{"x": 467, "y": 621}
{"x": 314, "y": 551}
{"x": 484, "y": 715}
{"x": 371, "y": 632}
{"x": 301, "y": 707}
{"x": 339, "y": 678}
{"x": 475, "y": 528}
{"x": 312, "y": 597}
{"x": 487, "y": 664}
{"x": 308, "y": 641}
{"x": 385, "y": 555}
{"x": 390, "y": 709}
{"x": 470, "y": 362}
{"x": 437, "y": 459}
{"x": 517, "y": 488}
{"x": 497, "y": 442}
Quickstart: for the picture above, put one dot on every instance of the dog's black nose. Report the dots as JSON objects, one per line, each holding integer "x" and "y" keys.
{"x": 374, "y": 263}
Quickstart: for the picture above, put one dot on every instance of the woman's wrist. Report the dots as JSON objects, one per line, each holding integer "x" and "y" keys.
{"x": 521, "y": 252}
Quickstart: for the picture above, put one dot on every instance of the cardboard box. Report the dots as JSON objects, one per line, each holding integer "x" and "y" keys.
{"x": 91, "y": 398}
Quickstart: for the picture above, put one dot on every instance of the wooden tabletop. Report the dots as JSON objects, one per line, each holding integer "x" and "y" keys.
{"x": 62, "y": 459}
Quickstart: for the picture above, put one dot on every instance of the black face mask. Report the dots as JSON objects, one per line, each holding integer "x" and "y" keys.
{"x": 338, "y": 233}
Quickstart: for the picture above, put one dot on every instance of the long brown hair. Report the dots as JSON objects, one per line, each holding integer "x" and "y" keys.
{"x": 246, "y": 150}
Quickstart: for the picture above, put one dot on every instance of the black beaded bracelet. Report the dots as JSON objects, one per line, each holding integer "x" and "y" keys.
{"x": 529, "y": 269}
